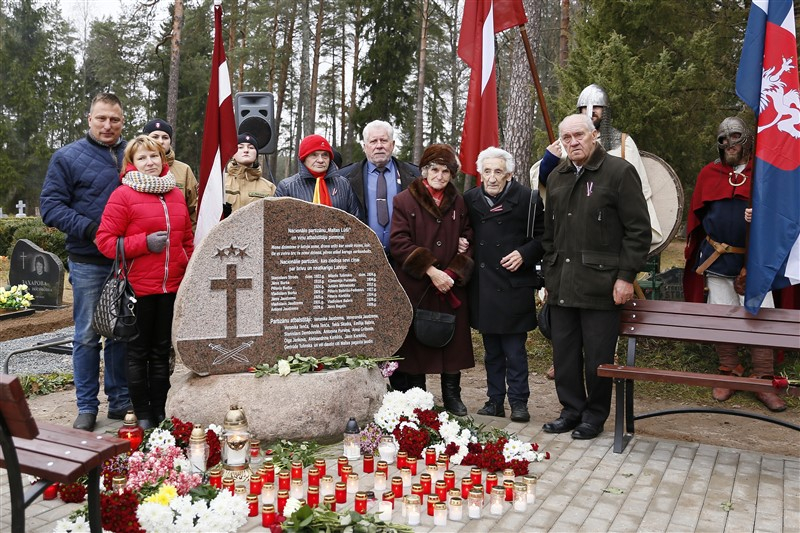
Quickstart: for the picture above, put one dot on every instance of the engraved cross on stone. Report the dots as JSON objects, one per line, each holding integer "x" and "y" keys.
{"x": 231, "y": 284}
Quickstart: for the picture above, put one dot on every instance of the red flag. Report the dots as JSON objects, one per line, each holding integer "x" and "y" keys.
{"x": 219, "y": 137}
{"x": 481, "y": 20}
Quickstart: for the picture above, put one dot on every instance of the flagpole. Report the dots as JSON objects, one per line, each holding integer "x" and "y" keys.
{"x": 539, "y": 93}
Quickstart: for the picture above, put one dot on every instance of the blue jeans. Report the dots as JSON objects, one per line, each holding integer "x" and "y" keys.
{"x": 87, "y": 283}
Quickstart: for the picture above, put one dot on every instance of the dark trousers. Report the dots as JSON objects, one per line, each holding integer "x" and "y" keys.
{"x": 583, "y": 339}
{"x": 148, "y": 355}
{"x": 506, "y": 362}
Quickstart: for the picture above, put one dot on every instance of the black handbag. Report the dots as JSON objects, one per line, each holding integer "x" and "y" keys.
{"x": 544, "y": 321}
{"x": 433, "y": 328}
{"x": 114, "y": 316}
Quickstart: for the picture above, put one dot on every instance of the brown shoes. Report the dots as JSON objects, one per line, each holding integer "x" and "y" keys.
{"x": 721, "y": 395}
{"x": 551, "y": 374}
{"x": 773, "y": 402}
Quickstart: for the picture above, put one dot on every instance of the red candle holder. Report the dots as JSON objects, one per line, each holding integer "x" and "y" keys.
{"x": 432, "y": 500}
{"x": 131, "y": 431}
{"x": 255, "y": 484}
{"x": 369, "y": 463}
{"x": 411, "y": 463}
{"x": 443, "y": 457}
{"x": 476, "y": 476}
{"x": 341, "y": 492}
{"x": 383, "y": 466}
{"x": 441, "y": 490}
{"x": 388, "y": 496}
{"x": 268, "y": 474}
{"x": 397, "y": 486}
{"x": 450, "y": 479}
{"x": 252, "y": 504}
{"x": 430, "y": 456}
{"x": 297, "y": 470}
{"x": 342, "y": 461}
{"x": 215, "y": 478}
{"x": 321, "y": 466}
{"x": 313, "y": 477}
{"x": 466, "y": 486}
{"x": 491, "y": 482}
{"x": 361, "y": 503}
{"x": 329, "y": 501}
{"x": 283, "y": 497}
{"x": 268, "y": 515}
{"x": 283, "y": 480}
{"x": 228, "y": 484}
{"x": 508, "y": 485}
{"x": 345, "y": 471}
{"x": 401, "y": 459}
{"x": 51, "y": 492}
{"x": 416, "y": 490}
{"x": 425, "y": 481}
{"x": 312, "y": 498}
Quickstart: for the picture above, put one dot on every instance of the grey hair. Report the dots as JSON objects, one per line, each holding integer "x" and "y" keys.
{"x": 587, "y": 121}
{"x": 377, "y": 124}
{"x": 494, "y": 152}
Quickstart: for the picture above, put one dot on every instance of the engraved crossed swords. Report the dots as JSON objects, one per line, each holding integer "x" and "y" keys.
{"x": 233, "y": 353}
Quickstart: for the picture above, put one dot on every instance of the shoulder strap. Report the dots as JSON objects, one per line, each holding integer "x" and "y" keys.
{"x": 622, "y": 145}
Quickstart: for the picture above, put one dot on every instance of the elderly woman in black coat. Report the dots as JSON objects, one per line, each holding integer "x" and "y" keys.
{"x": 430, "y": 225}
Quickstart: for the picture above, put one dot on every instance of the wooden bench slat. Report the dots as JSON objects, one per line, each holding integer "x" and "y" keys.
{"x": 725, "y": 324}
{"x": 695, "y": 379}
{"x": 46, "y": 450}
{"x": 53, "y": 469}
{"x": 683, "y": 333}
{"x": 722, "y": 311}
{"x": 103, "y": 444}
{"x": 14, "y": 408}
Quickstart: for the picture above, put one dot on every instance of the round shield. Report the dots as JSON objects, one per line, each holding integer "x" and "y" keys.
{"x": 667, "y": 197}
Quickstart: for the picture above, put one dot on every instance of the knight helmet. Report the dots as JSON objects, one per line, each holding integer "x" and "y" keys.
{"x": 727, "y": 128}
{"x": 595, "y": 96}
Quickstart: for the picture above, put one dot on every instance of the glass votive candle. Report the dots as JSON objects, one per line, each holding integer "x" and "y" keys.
{"x": 228, "y": 484}
{"x": 268, "y": 515}
{"x": 255, "y": 485}
{"x": 411, "y": 463}
{"x": 268, "y": 492}
{"x": 508, "y": 473}
{"x": 329, "y": 502}
{"x": 268, "y": 472}
{"x": 405, "y": 475}
{"x": 404, "y": 506}
{"x": 283, "y": 480}
{"x": 215, "y": 478}
{"x": 476, "y": 476}
{"x": 441, "y": 466}
{"x": 477, "y": 487}
{"x": 385, "y": 511}
{"x": 321, "y": 466}
{"x": 453, "y": 493}
{"x": 443, "y": 457}
{"x": 240, "y": 492}
{"x": 387, "y": 449}
{"x": 401, "y": 459}
{"x": 455, "y": 509}
{"x": 313, "y": 477}
{"x": 440, "y": 514}
{"x": 352, "y": 483}
{"x": 252, "y": 505}
{"x": 297, "y": 470}
{"x": 466, "y": 485}
{"x": 388, "y": 496}
{"x": 118, "y": 484}
{"x": 340, "y": 491}
{"x": 326, "y": 485}
{"x": 430, "y": 456}
{"x": 346, "y": 471}
{"x": 413, "y": 510}
{"x": 342, "y": 461}
{"x": 508, "y": 487}
{"x": 383, "y": 466}
{"x": 380, "y": 481}
{"x": 416, "y": 489}
{"x": 296, "y": 489}
{"x": 441, "y": 490}
{"x": 496, "y": 501}
{"x": 368, "y": 463}
{"x": 282, "y": 498}
{"x": 312, "y": 497}
{"x": 491, "y": 482}
{"x": 427, "y": 483}
{"x": 449, "y": 479}
{"x": 520, "y": 497}
{"x": 530, "y": 484}
{"x": 433, "y": 471}
{"x": 397, "y": 486}
{"x": 475, "y": 503}
{"x": 361, "y": 503}
{"x": 433, "y": 499}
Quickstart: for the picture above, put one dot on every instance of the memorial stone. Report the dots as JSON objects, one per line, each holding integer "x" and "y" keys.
{"x": 41, "y": 271}
{"x": 282, "y": 277}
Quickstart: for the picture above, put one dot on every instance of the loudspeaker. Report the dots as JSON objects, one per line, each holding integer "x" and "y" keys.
{"x": 255, "y": 114}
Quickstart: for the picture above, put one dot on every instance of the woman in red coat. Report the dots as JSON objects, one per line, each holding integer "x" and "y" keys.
{"x": 149, "y": 211}
{"x": 430, "y": 224}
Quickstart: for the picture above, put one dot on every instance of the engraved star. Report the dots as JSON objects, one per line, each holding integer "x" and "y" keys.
{"x": 221, "y": 253}
{"x": 231, "y": 250}
{"x": 243, "y": 252}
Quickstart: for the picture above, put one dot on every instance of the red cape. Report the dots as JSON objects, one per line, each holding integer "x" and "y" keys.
{"x": 712, "y": 184}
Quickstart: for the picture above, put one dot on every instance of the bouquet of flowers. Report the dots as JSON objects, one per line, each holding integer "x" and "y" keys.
{"x": 303, "y": 364}
{"x": 15, "y": 298}
{"x": 300, "y": 518}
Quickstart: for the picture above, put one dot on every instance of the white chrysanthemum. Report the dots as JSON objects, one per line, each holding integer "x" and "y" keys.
{"x": 161, "y": 438}
{"x": 154, "y": 517}
{"x": 80, "y": 525}
{"x": 215, "y": 428}
{"x": 512, "y": 449}
{"x": 292, "y": 506}
{"x": 283, "y": 368}
{"x": 417, "y": 398}
{"x": 182, "y": 464}
{"x": 410, "y": 424}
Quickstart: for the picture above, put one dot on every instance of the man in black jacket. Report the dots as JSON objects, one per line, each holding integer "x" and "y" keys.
{"x": 375, "y": 198}
{"x": 508, "y": 220}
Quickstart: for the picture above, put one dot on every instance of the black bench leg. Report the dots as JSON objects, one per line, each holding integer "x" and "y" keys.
{"x": 619, "y": 418}
{"x": 93, "y": 491}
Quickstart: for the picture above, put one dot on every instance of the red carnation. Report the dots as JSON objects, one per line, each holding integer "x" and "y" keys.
{"x": 118, "y": 512}
{"x": 780, "y": 382}
{"x": 72, "y": 492}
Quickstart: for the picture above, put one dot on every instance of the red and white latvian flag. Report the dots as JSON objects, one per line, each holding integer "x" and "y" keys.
{"x": 219, "y": 137}
{"x": 481, "y": 20}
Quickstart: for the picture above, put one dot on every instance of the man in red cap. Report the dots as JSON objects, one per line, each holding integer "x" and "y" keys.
{"x": 318, "y": 179}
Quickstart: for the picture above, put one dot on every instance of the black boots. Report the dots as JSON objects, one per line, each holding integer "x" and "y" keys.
{"x": 451, "y": 394}
{"x": 403, "y": 381}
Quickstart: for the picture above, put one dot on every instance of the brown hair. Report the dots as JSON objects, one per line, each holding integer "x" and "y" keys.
{"x": 106, "y": 98}
{"x": 139, "y": 143}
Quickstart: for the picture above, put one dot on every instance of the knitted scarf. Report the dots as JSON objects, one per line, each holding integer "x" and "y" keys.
{"x": 141, "y": 182}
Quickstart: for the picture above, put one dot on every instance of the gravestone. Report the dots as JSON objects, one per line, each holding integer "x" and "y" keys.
{"x": 41, "y": 271}
{"x": 21, "y": 207}
{"x": 282, "y": 277}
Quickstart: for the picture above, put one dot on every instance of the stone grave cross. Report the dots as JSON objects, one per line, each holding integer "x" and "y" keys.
{"x": 21, "y": 206}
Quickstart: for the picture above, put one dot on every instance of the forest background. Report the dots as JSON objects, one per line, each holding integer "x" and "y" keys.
{"x": 669, "y": 67}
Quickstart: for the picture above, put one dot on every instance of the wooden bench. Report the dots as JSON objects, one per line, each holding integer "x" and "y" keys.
{"x": 704, "y": 323}
{"x": 53, "y": 453}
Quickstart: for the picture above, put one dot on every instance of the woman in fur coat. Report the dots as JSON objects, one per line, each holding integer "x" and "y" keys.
{"x": 433, "y": 262}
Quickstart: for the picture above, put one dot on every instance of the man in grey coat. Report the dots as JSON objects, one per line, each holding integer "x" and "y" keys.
{"x": 596, "y": 239}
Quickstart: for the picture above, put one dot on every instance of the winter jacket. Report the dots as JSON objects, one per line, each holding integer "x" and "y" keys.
{"x": 425, "y": 235}
{"x": 406, "y": 173}
{"x": 501, "y": 301}
{"x": 134, "y": 215}
{"x": 79, "y": 180}
{"x": 244, "y": 185}
{"x": 186, "y": 181}
{"x": 302, "y": 184}
{"x": 597, "y": 231}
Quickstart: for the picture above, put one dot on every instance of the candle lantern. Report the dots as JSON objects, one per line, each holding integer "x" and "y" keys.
{"x": 440, "y": 488}
{"x": 405, "y": 475}
{"x": 496, "y": 501}
{"x": 411, "y": 463}
{"x": 267, "y": 472}
{"x": 228, "y": 484}
{"x": 491, "y": 482}
{"x": 198, "y": 450}
{"x": 361, "y": 503}
{"x": 449, "y": 479}
{"x": 453, "y": 493}
{"x": 235, "y": 437}
{"x": 380, "y": 480}
{"x": 117, "y": 485}
{"x": 530, "y": 483}
{"x": 341, "y": 462}
{"x": 296, "y": 471}
{"x": 508, "y": 473}
{"x": 508, "y": 487}
{"x": 313, "y": 496}
{"x": 441, "y": 466}
{"x": 397, "y": 486}
{"x": 341, "y": 492}
{"x": 443, "y": 457}
{"x": 520, "y": 497}
{"x": 430, "y": 456}
{"x": 388, "y": 496}
{"x": 413, "y": 510}
{"x": 321, "y": 466}
{"x": 252, "y": 504}
{"x": 427, "y": 482}
{"x": 240, "y": 492}
{"x": 440, "y": 514}
{"x": 283, "y": 497}
{"x": 215, "y": 478}
{"x": 401, "y": 459}
{"x": 456, "y": 510}
{"x": 466, "y": 486}
{"x": 352, "y": 439}
{"x": 387, "y": 449}
{"x": 284, "y": 480}
{"x": 313, "y": 477}
{"x": 416, "y": 489}
{"x": 368, "y": 463}
{"x": 329, "y": 501}
{"x": 475, "y": 502}
{"x": 385, "y": 511}
{"x": 352, "y": 483}
{"x": 268, "y": 515}
{"x": 268, "y": 493}
{"x": 256, "y": 484}
{"x": 347, "y": 470}
{"x": 326, "y": 485}
{"x": 256, "y": 458}
{"x": 132, "y": 432}
{"x": 296, "y": 489}
{"x": 433, "y": 499}
{"x": 433, "y": 472}
{"x": 383, "y": 466}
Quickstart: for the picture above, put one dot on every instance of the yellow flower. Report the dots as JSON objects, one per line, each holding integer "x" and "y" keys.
{"x": 164, "y": 495}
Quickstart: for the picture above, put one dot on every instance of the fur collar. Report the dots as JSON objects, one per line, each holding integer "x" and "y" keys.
{"x": 424, "y": 199}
